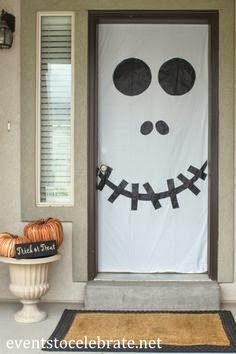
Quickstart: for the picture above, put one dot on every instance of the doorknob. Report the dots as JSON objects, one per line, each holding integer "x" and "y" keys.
{"x": 103, "y": 173}
{"x": 103, "y": 169}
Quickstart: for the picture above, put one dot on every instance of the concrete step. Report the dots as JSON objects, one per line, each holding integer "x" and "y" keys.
{"x": 152, "y": 296}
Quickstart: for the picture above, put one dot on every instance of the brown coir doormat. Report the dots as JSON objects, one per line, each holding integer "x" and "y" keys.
{"x": 212, "y": 332}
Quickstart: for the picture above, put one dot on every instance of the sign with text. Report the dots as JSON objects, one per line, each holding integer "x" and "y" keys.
{"x": 36, "y": 249}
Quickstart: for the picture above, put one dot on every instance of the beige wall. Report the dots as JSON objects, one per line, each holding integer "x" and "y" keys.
{"x": 229, "y": 290}
{"x": 63, "y": 288}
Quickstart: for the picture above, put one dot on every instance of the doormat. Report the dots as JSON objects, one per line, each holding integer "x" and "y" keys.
{"x": 211, "y": 331}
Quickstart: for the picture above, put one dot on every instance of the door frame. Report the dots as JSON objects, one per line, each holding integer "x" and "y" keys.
{"x": 95, "y": 17}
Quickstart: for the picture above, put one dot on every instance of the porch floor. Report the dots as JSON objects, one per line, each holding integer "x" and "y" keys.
{"x": 11, "y": 330}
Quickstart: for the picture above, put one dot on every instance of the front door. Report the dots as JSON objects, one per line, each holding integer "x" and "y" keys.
{"x": 152, "y": 184}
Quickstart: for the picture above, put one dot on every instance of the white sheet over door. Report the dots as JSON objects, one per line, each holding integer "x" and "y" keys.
{"x": 173, "y": 237}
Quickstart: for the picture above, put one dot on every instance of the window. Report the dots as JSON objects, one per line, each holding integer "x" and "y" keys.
{"x": 55, "y": 110}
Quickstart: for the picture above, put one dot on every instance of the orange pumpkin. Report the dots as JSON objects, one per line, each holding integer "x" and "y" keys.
{"x": 8, "y": 242}
{"x": 45, "y": 230}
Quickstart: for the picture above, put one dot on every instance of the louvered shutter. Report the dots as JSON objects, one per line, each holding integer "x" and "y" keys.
{"x": 56, "y": 143}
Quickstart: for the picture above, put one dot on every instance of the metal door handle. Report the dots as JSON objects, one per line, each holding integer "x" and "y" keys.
{"x": 103, "y": 173}
{"x": 103, "y": 169}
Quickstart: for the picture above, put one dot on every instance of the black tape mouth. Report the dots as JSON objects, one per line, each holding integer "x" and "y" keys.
{"x": 150, "y": 194}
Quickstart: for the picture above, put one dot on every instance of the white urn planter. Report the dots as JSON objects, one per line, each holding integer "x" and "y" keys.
{"x": 29, "y": 282}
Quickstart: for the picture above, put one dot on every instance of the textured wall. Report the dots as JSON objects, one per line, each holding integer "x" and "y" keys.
{"x": 63, "y": 287}
{"x": 229, "y": 290}
{"x": 10, "y": 142}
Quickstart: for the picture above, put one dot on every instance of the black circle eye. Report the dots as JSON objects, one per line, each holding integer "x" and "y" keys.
{"x": 162, "y": 127}
{"x": 176, "y": 76}
{"x": 132, "y": 76}
{"x": 146, "y": 128}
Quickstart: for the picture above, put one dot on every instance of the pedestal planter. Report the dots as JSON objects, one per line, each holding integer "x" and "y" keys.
{"x": 29, "y": 282}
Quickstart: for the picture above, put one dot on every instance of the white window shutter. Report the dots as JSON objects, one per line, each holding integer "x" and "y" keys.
{"x": 55, "y": 111}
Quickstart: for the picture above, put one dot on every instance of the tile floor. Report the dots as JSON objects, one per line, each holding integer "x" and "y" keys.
{"x": 11, "y": 330}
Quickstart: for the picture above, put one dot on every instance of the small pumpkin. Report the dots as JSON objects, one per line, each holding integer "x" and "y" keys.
{"x": 45, "y": 230}
{"x": 8, "y": 242}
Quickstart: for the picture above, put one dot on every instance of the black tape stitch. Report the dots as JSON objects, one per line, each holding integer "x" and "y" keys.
{"x": 150, "y": 195}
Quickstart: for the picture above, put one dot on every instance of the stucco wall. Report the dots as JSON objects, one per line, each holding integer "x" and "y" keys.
{"x": 63, "y": 288}
{"x": 229, "y": 290}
